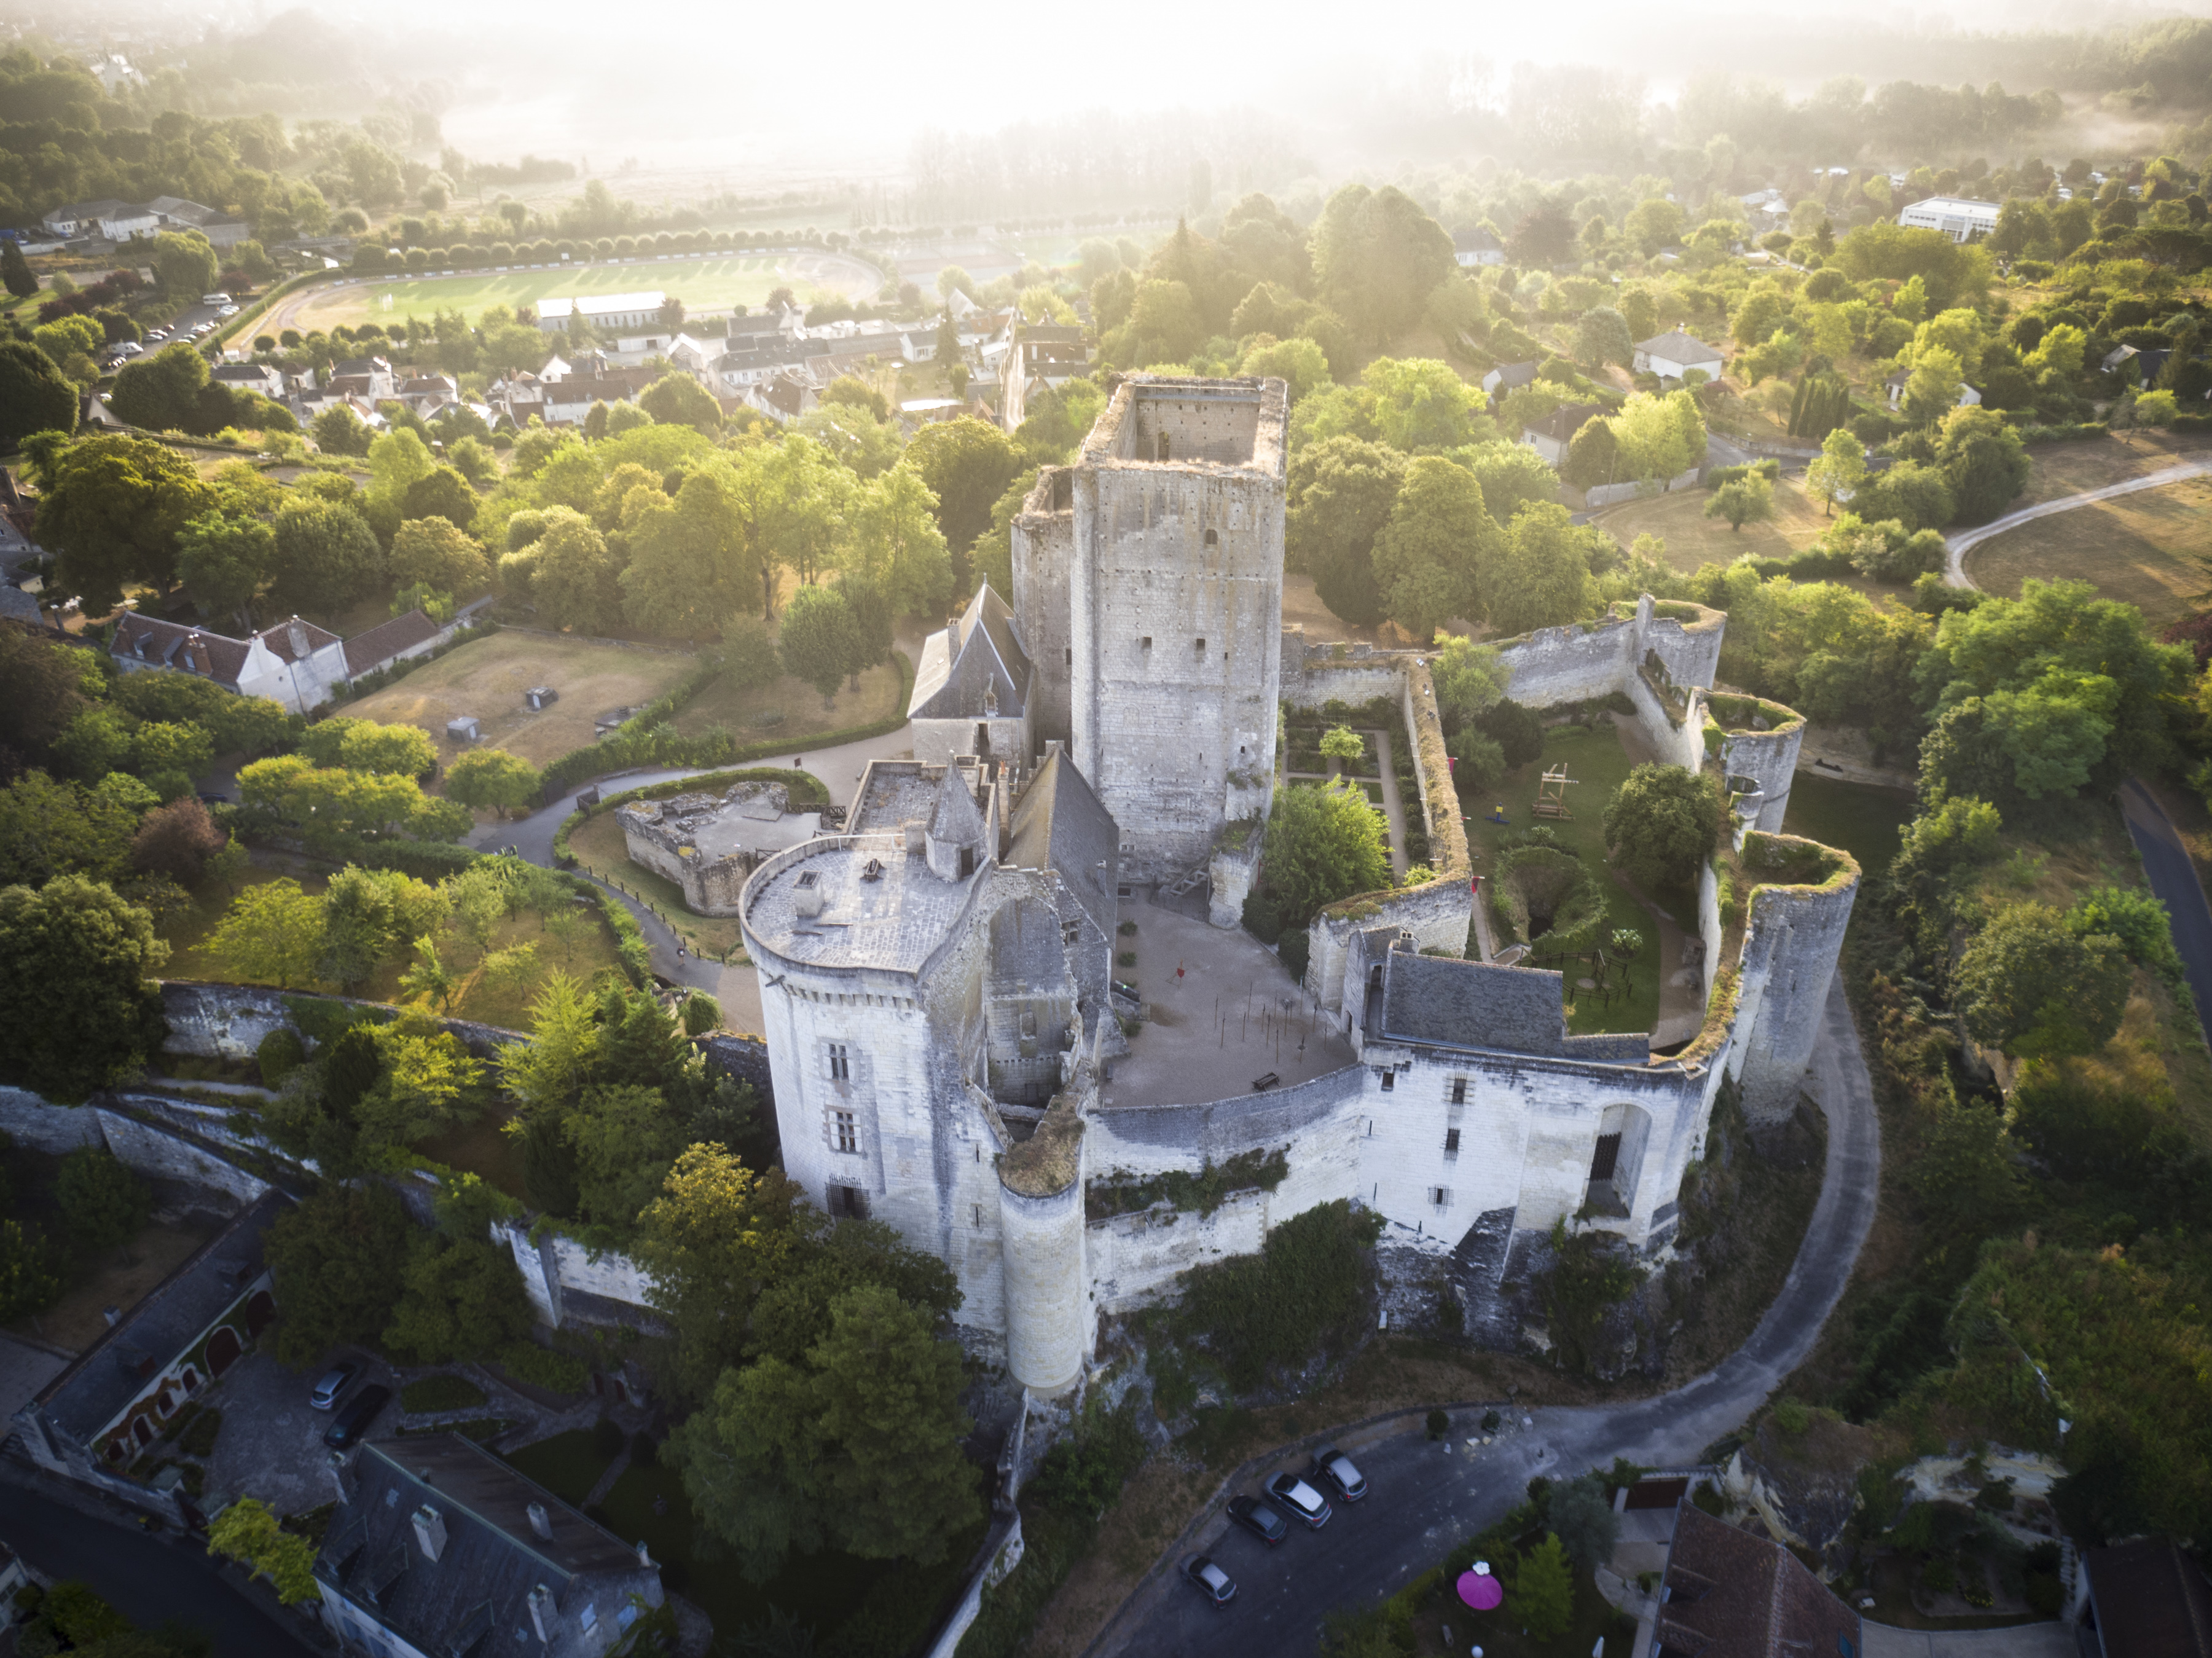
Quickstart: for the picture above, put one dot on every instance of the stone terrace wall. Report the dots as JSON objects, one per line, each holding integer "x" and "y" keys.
{"x": 1135, "y": 1259}
{"x": 228, "y": 1022}
{"x": 153, "y": 1136}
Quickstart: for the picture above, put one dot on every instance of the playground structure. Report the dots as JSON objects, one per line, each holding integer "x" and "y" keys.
{"x": 1551, "y": 794}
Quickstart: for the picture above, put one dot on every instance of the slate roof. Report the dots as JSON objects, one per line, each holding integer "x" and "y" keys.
{"x": 2151, "y": 1601}
{"x": 1473, "y": 239}
{"x": 955, "y": 818}
{"x": 115, "y": 1369}
{"x": 19, "y": 606}
{"x": 1512, "y": 376}
{"x": 474, "y": 1598}
{"x": 979, "y": 651}
{"x": 1730, "y": 1594}
{"x": 1060, "y": 824}
{"x": 212, "y": 656}
{"x": 365, "y": 652}
{"x": 1677, "y": 346}
{"x": 1455, "y": 1003}
{"x": 1562, "y": 424}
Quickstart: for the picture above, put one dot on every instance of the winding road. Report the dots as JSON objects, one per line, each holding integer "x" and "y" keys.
{"x": 1958, "y": 544}
{"x": 1427, "y": 1497}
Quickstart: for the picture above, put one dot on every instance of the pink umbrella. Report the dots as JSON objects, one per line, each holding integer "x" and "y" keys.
{"x": 1481, "y": 1590}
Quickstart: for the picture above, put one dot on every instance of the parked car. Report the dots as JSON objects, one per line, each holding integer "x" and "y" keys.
{"x": 129, "y": 349}
{"x": 335, "y": 1380}
{"x": 1256, "y": 1517}
{"x": 211, "y": 798}
{"x": 215, "y": 299}
{"x": 228, "y": 311}
{"x": 353, "y": 1421}
{"x": 1212, "y": 1582}
{"x": 157, "y": 333}
{"x": 1300, "y": 1498}
{"x": 1336, "y": 1467}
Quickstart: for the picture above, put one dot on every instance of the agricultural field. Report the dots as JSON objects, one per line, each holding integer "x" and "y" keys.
{"x": 487, "y": 678}
{"x": 703, "y": 283}
{"x": 2153, "y": 549}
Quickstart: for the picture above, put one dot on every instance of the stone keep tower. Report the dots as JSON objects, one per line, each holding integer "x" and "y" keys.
{"x": 1148, "y": 578}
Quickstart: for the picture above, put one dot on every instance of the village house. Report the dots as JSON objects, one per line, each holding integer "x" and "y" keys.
{"x": 1727, "y": 1593}
{"x": 1959, "y": 217}
{"x": 441, "y": 1548}
{"x": 1042, "y": 355}
{"x": 1551, "y": 435}
{"x": 1473, "y": 245}
{"x": 90, "y": 1423}
{"x": 1672, "y": 356}
{"x": 971, "y": 688}
{"x": 295, "y": 662}
{"x": 1508, "y": 378}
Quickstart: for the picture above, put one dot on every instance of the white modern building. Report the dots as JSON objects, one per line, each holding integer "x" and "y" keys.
{"x": 1957, "y": 217}
{"x": 617, "y": 311}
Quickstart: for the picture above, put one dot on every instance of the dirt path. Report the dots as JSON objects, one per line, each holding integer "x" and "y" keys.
{"x": 1958, "y": 545}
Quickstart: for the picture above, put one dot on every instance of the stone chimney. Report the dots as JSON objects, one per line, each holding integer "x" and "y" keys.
{"x": 542, "y": 1611}
{"x": 539, "y": 1523}
{"x": 430, "y": 1531}
{"x": 297, "y": 631}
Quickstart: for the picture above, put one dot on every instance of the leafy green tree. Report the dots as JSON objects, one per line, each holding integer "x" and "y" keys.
{"x": 1932, "y": 390}
{"x": 855, "y": 1446}
{"x": 1540, "y": 577}
{"x": 749, "y": 653}
{"x": 49, "y": 828}
{"x": 28, "y": 1282}
{"x": 1427, "y": 558}
{"x": 1747, "y": 499}
{"x": 1342, "y": 492}
{"x": 1660, "y": 437}
{"x": 494, "y": 779}
{"x": 1512, "y": 476}
{"x": 1945, "y": 273}
{"x": 16, "y": 273}
{"x": 183, "y": 264}
{"x": 1652, "y": 224}
{"x": 1377, "y": 257}
{"x": 1544, "y": 1591}
{"x": 430, "y": 552}
{"x": 270, "y": 935}
{"x": 898, "y": 545}
{"x": 574, "y": 576}
{"x": 625, "y": 1139}
{"x": 177, "y": 840}
{"x": 2029, "y": 985}
{"x": 442, "y": 492}
{"x": 677, "y": 399}
{"x": 821, "y": 641}
{"x": 715, "y": 1238}
{"x": 1468, "y": 679}
{"x": 111, "y": 514}
{"x": 167, "y": 391}
{"x": 35, "y": 395}
{"x": 967, "y": 465}
{"x": 693, "y": 564}
{"x": 102, "y": 1202}
{"x": 1342, "y": 742}
{"x": 222, "y": 559}
{"x": 1594, "y": 456}
{"x": 326, "y": 555}
{"x": 338, "y": 431}
{"x": 460, "y": 1298}
{"x": 1660, "y": 824}
{"x": 248, "y": 1532}
{"x": 1420, "y": 405}
{"x": 1580, "y": 1514}
{"x": 332, "y": 1258}
{"x": 1322, "y": 844}
{"x": 1601, "y": 337}
{"x": 1839, "y": 470}
{"x": 369, "y": 917}
{"x": 1984, "y": 459}
{"x": 78, "y": 1009}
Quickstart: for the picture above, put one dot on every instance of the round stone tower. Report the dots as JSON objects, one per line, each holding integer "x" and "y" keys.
{"x": 1041, "y": 1244}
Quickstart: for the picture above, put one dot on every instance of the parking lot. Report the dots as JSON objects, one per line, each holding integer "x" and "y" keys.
{"x": 272, "y": 1442}
{"x": 180, "y": 329}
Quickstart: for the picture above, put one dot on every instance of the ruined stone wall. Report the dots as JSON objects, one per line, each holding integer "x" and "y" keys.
{"x": 1137, "y": 1259}
{"x": 1571, "y": 663}
{"x": 1436, "y": 914}
{"x": 153, "y": 1136}
{"x": 228, "y": 1022}
{"x": 1768, "y": 758}
{"x": 1044, "y": 545}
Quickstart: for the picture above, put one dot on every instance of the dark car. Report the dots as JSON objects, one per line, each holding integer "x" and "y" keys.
{"x": 1300, "y": 1498}
{"x": 335, "y": 1381}
{"x": 353, "y": 1421}
{"x": 210, "y": 797}
{"x": 1256, "y": 1517}
{"x": 1336, "y": 1467}
{"x": 1212, "y": 1582}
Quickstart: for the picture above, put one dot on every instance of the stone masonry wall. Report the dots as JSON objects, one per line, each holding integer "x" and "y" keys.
{"x": 1043, "y": 547}
{"x": 1790, "y": 948}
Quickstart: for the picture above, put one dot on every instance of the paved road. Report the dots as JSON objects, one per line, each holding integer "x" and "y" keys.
{"x": 1429, "y": 1496}
{"x": 2173, "y": 877}
{"x": 1965, "y": 541}
{"x": 146, "y": 1578}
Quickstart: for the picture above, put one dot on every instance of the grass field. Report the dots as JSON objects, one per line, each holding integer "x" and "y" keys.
{"x": 487, "y": 677}
{"x": 703, "y": 284}
{"x": 791, "y": 708}
{"x": 2154, "y": 550}
{"x": 1693, "y": 539}
{"x": 2067, "y": 469}
{"x": 1599, "y": 765}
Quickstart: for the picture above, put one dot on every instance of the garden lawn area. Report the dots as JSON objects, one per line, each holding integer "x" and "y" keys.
{"x": 1599, "y": 766}
{"x": 1693, "y": 539}
{"x": 487, "y": 678}
{"x": 1862, "y": 820}
{"x": 821, "y": 1590}
{"x": 598, "y": 845}
{"x": 567, "y": 1465}
{"x": 2067, "y": 469}
{"x": 703, "y": 284}
{"x": 790, "y": 709}
{"x": 2153, "y": 549}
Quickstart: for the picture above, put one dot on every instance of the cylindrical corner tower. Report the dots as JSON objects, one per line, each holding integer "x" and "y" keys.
{"x": 1047, "y": 1314}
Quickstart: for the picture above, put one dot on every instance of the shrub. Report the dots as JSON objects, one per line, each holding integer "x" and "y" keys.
{"x": 279, "y": 1055}
{"x": 1306, "y": 1290}
{"x": 429, "y": 1393}
{"x": 539, "y": 1367}
{"x": 199, "y": 1435}
{"x": 1439, "y": 1423}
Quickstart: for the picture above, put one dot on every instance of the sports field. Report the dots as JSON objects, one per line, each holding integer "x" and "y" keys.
{"x": 2153, "y": 549}
{"x": 703, "y": 283}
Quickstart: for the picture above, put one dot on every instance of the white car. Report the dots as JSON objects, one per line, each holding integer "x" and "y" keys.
{"x": 129, "y": 349}
{"x": 228, "y": 311}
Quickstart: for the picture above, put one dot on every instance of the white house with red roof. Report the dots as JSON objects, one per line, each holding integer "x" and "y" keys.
{"x": 295, "y": 662}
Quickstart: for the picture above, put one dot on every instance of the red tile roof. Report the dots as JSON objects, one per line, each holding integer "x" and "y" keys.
{"x": 1734, "y": 1595}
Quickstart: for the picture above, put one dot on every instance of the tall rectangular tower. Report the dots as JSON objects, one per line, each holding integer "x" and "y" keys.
{"x": 1175, "y": 596}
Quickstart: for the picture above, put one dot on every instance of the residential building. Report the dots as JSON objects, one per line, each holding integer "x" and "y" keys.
{"x": 1043, "y": 354}
{"x": 1727, "y": 1593}
{"x": 295, "y": 663}
{"x": 1959, "y": 217}
{"x": 1895, "y": 384}
{"x": 783, "y": 399}
{"x": 1509, "y": 378}
{"x": 569, "y": 399}
{"x": 1767, "y": 209}
{"x": 440, "y": 1548}
{"x": 613, "y": 311}
{"x": 2148, "y": 364}
{"x": 425, "y": 394}
{"x": 91, "y": 1421}
{"x": 222, "y": 230}
{"x": 1551, "y": 435}
{"x": 1673, "y": 353}
{"x": 250, "y": 377}
{"x": 1473, "y": 245}
{"x": 2145, "y": 1600}
{"x": 117, "y": 221}
{"x": 409, "y": 635}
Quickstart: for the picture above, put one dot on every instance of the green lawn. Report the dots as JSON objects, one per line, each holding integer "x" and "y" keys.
{"x": 1857, "y": 817}
{"x": 1598, "y": 765}
{"x": 703, "y": 284}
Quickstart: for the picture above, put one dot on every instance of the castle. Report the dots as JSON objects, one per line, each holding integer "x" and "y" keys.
{"x": 943, "y": 1025}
